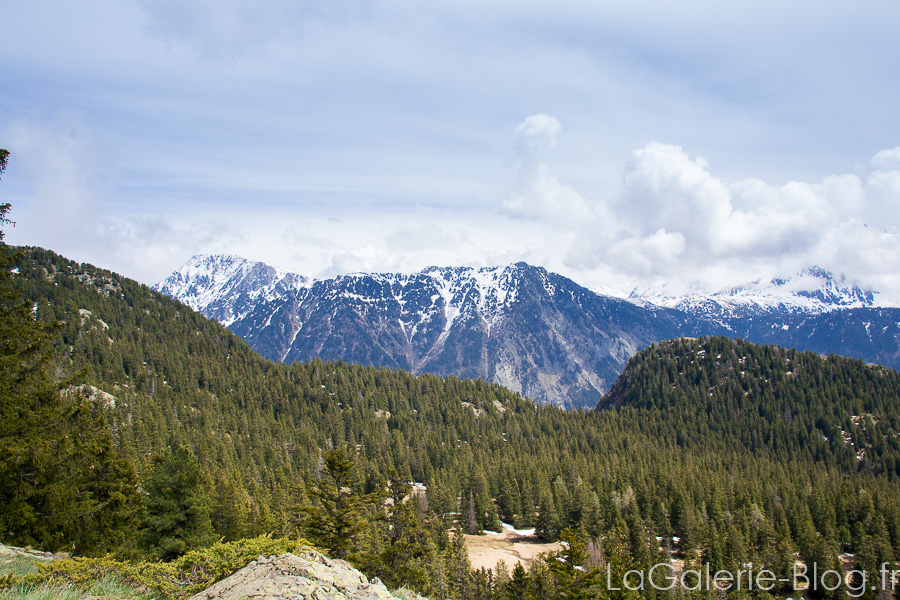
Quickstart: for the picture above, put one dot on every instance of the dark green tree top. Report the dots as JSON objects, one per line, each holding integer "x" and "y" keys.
{"x": 340, "y": 512}
{"x": 178, "y": 506}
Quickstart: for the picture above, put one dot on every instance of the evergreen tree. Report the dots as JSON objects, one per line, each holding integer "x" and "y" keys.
{"x": 63, "y": 483}
{"x": 517, "y": 586}
{"x": 548, "y": 523}
{"x": 177, "y": 517}
{"x": 472, "y": 527}
{"x": 340, "y": 512}
{"x": 402, "y": 553}
{"x": 457, "y": 566}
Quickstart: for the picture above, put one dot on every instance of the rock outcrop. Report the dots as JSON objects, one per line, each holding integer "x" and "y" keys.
{"x": 11, "y": 553}
{"x": 308, "y": 576}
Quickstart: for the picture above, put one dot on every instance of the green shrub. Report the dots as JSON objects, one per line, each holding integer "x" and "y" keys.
{"x": 192, "y": 573}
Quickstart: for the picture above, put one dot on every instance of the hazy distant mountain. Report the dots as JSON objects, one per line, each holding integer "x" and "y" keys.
{"x": 812, "y": 291}
{"x": 534, "y": 332}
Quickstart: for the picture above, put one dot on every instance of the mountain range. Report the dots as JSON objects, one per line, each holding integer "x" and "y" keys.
{"x": 535, "y": 332}
{"x": 705, "y": 446}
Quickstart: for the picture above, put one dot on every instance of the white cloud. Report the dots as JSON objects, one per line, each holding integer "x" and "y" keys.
{"x": 884, "y": 186}
{"x": 421, "y": 238}
{"x": 638, "y": 256}
{"x": 536, "y": 193}
{"x": 665, "y": 188}
{"x": 67, "y": 175}
{"x": 535, "y": 135}
{"x": 676, "y": 221}
{"x": 886, "y": 160}
{"x": 67, "y": 170}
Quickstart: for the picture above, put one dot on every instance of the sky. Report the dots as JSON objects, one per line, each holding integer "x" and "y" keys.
{"x": 695, "y": 145}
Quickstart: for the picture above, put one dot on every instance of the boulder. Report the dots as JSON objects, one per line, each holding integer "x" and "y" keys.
{"x": 307, "y": 576}
{"x": 10, "y": 553}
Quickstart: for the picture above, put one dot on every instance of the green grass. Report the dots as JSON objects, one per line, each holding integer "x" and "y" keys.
{"x": 18, "y": 565}
{"x": 405, "y": 594}
{"x": 109, "y": 587}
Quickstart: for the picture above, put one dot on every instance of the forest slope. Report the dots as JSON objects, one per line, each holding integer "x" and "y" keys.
{"x": 728, "y": 451}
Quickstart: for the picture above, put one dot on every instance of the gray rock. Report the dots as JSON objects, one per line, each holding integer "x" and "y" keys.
{"x": 8, "y": 553}
{"x": 308, "y": 576}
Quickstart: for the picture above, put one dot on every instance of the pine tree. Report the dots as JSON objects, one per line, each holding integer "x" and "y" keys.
{"x": 403, "y": 553}
{"x": 472, "y": 527}
{"x": 177, "y": 517}
{"x": 517, "y": 585}
{"x": 63, "y": 483}
{"x": 339, "y": 513}
{"x": 457, "y": 566}
{"x": 548, "y": 524}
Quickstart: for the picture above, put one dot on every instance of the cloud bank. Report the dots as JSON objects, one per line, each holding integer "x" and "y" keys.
{"x": 393, "y": 135}
{"x": 675, "y": 221}
{"x": 672, "y": 222}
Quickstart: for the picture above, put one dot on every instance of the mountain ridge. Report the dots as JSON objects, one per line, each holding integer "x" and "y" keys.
{"x": 523, "y": 327}
{"x": 812, "y": 290}
{"x": 536, "y": 332}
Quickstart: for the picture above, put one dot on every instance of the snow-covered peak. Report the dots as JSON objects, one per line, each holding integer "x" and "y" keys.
{"x": 813, "y": 291}
{"x": 228, "y": 288}
{"x": 487, "y": 290}
{"x": 211, "y": 283}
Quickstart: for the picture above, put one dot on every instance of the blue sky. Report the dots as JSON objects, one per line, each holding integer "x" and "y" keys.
{"x": 690, "y": 143}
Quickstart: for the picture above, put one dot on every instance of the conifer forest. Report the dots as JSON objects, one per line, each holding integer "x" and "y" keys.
{"x": 133, "y": 428}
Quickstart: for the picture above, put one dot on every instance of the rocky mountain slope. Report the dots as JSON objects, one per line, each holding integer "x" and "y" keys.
{"x": 535, "y": 332}
{"x": 532, "y": 331}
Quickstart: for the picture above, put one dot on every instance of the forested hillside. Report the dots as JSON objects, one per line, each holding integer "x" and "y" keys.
{"x": 774, "y": 401}
{"x": 730, "y": 453}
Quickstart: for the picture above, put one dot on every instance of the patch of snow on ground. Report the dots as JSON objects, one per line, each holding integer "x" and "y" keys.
{"x": 525, "y": 532}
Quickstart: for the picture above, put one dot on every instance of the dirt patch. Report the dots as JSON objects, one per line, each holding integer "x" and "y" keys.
{"x": 509, "y": 546}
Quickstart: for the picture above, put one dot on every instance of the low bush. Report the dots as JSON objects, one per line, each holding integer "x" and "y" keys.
{"x": 189, "y": 574}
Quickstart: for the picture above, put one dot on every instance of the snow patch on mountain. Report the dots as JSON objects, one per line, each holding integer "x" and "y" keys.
{"x": 225, "y": 286}
{"x": 228, "y": 287}
{"x": 812, "y": 291}
{"x": 486, "y": 291}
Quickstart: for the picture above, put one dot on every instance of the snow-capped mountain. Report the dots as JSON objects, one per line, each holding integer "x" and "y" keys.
{"x": 532, "y": 331}
{"x": 811, "y": 291}
{"x": 226, "y": 287}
